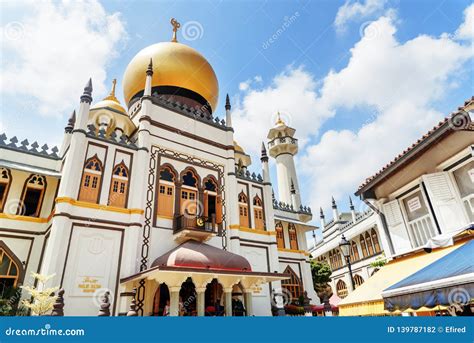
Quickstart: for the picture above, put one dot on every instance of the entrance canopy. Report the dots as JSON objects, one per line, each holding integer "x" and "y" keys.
{"x": 203, "y": 262}
{"x": 449, "y": 279}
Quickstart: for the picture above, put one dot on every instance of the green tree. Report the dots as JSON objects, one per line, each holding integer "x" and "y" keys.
{"x": 321, "y": 273}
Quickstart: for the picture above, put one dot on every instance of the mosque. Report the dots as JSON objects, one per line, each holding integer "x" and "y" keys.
{"x": 154, "y": 202}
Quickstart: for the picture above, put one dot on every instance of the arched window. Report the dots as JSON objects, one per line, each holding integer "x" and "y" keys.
{"x": 258, "y": 213}
{"x": 375, "y": 240}
{"x": 166, "y": 192}
{"x": 91, "y": 180}
{"x": 119, "y": 187}
{"x": 190, "y": 179}
{"x": 363, "y": 246}
{"x": 279, "y": 235}
{"x": 354, "y": 252}
{"x": 341, "y": 288}
{"x": 212, "y": 200}
{"x": 33, "y": 194}
{"x": 243, "y": 210}
{"x": 10, "y": 269}
{"x": 5, "y": 182}
{"x": 358, "y": 280}
{"x": 189, "y": 193}
{"x": 292, "y": 285}
{"x": 335, "y": 258}
{"x": 339, "y": 258}
{"x": 368, "y": 241}
{"x": 292, "y": 236}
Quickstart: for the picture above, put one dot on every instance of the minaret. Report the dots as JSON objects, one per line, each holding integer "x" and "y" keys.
{"x": 265, "y": 168}
{"x": 294, "y": 197}
{"x": 60, "y": 229}
{"x": 69, "y": 186}
{"x": 68, "y": 133}
{"x": 335, "y": 212}
{"x": 149, "y": 77}
{"x": 351, "y": 205}
{"x": 83, "y": 114}
{"x": 228, "y": 116}
{"x": 323, "y": 220}
{"x": 283, "y": 146}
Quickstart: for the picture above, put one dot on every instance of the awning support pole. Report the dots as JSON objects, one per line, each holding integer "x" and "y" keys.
{"x": 174, "y": 301}
{"x": 248, "y": 302}
{"x": 228, "y": 301}
{"x": 200, "y": 301}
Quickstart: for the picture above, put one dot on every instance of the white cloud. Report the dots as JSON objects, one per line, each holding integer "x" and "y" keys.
{"x": 466, "y": 29}
{"x": 51, "y": 51}
{"x": 243, "y": 86}
{"x": 398, "y": 82}
{"x": 293, "y": 93}
{"x": 355, "y": 10}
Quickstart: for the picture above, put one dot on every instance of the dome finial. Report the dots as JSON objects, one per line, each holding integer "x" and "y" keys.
{"x": 176, "y": 25}
{"x": 279, "y": 120}
{"x": 111, "y": 96}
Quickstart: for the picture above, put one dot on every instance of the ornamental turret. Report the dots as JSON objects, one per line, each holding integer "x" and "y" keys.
{"x": 282, "y": 147}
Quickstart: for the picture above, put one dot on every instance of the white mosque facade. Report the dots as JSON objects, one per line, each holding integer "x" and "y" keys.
{"x": 154, "y": 202}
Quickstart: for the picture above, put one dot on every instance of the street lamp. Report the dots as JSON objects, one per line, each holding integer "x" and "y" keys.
{"x": 345, "y": 246}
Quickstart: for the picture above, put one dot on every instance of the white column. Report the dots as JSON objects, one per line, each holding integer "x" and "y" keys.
{"x": 228, "y": 301}
{"x": 248, "y": 302}
{"x": 174, "y": 301}
{"x": 286, "y": 171}
{"x": 232, "y": 206}
{"x": 200, "y": 301}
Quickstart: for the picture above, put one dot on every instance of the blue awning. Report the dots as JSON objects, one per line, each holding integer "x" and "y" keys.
{"x": 444, "y": 282}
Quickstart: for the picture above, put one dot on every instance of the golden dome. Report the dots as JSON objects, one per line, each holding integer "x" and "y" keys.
{"x": 110, "y": 111}
{"x": 240, "y": 155}
{"x": 175, "y": 65}
{"x": 238, "y": 148}
{"x": 110, "y": 101}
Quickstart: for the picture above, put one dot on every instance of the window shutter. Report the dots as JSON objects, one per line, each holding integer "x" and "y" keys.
{"x": 396, "y": 226}
{"x": 206, "y": 205}
{"x": 446, "y": 207}
{"x": 219, "y": 209}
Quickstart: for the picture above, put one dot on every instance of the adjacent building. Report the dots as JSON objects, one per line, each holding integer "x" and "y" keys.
{"x": 426, "y": 191}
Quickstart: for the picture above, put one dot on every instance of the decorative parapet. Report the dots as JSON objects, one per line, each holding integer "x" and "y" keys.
{"x": 134, "y": 109}
{"x": 192, "y": 112}
{"x": 122, "y": 140}
{"x": 359, "y": 217}
{"x": 246, "y": 175}
{"x": 280, "y": 205}
{"x": 282, "y": 140}
{"x": 25, "y": 146}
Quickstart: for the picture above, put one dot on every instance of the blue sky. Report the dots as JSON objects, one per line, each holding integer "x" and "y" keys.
{"x": 359, "y": 80}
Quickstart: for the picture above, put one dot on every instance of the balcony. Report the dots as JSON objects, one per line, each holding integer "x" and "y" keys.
{"x": 199, "y": 228}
